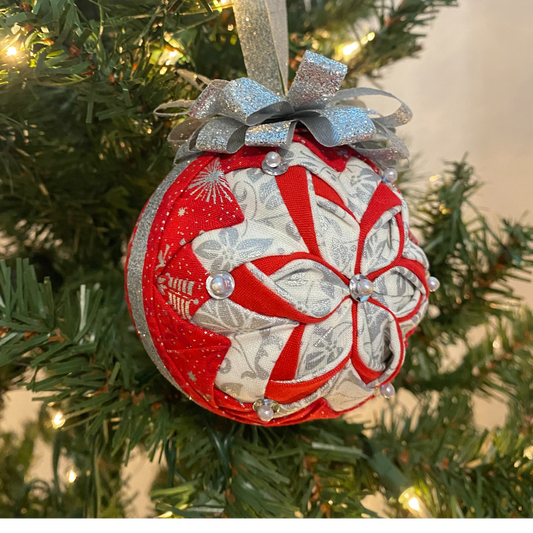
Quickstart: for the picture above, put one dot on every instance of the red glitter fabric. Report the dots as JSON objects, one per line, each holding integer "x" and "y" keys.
{"x": 291, "y": 331}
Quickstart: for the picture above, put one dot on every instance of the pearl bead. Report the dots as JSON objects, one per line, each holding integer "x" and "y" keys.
{"x": 387, "y": 390}
{"x": 365, "y": 287}
{"x": 266, "y": 409}
{"x": 272, "y": 159}
{"x": 265, "y": 413}
{"x": 390, "y": 175}
{"x": 433, "y": 284}
{"x": 220, "y": 285}
{"x": 274, "y": 165}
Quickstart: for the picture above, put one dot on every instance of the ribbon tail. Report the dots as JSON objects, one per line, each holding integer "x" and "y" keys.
{"x": 401, "y": 116}
{"x": 277, "y": 14}
{"x": 384, "y": 155}
{"x": 260, "y": 25}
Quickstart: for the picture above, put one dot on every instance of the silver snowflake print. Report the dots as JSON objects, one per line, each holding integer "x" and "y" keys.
{"x": 211, "y": 184}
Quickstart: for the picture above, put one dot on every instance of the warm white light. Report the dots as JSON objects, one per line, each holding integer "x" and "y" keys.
{"x": 58, "y": 420}
{"x": 371, "y": 36}
{"x": 71, "y": 476}
{"x": 11, "y": 51}
{"x": 173, "y": 53}
{"x": 528, "y": 453}
{"x": 350, "y": 48}
{"x": 414, "y": 504}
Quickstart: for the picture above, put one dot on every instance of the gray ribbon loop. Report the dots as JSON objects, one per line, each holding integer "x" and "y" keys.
{"x": 242, "y": 112}
{"x": 401, "y": 116}
{"x": 336, "y": 126}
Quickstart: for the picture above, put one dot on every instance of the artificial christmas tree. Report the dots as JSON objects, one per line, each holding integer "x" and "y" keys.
{"x": 81, "y": 153}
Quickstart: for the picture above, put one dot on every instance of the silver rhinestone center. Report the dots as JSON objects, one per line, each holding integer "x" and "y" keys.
{"x": 361, "y": 288}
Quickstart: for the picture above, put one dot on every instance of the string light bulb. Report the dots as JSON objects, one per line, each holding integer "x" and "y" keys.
{"x": 72, "y": 476}
{"x": 528, "y": 453}
{"x": 11, "y": 51}
{"x": 58, "y": 420}
{"x": 412, "y": 502}
{"x": 350, "y": 48}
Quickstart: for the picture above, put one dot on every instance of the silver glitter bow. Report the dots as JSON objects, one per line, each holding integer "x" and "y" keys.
{"x": 253, "y": 111}
{"x": 229, "y": 115}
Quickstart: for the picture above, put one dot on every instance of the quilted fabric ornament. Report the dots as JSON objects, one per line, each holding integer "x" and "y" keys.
{"x": 277, "y": 286}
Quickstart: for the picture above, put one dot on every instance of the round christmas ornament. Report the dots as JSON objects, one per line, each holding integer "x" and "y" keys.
{"x": 272, "y": 276}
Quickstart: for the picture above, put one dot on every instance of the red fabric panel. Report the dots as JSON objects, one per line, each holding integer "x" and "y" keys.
{"x": 253, "y": 295}
{"x": 195, "y": 368}
{"x": 284, "y": 392}
{"x": 295, "y": 193}
{"x": 287, "y": 363}
{"x": 365, "y": 373}
{"x": 336, "y": 158}
{"x": 240, "y": 412}
{"x": 382, "y": 200}
{"x": 183, "y": 282}
{"x": 191, "y": 215}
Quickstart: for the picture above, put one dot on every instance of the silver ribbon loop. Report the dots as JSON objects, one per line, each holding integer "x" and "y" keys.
{"x": 243, "y": 112}
{"x": 317, "y": 81}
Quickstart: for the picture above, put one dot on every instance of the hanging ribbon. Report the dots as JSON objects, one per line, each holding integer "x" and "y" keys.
{"x": 253, "y": 111}
{"x": 262, "y": 28}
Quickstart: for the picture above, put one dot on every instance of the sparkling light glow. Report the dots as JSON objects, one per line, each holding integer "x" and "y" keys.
{"x": 414, "y": 504}
{"x": 71, "y": 476}
{"x": 371, "y": 36}
{"x": 58, "y": 420}
{"x": 11, "y": 51}
{"x": 350, "y": 48}
{"x": 528, "y": 453}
